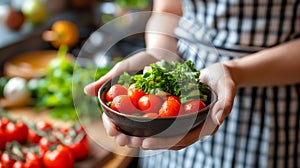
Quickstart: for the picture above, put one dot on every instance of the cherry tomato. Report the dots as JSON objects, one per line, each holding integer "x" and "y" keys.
{"x": 193, "y": 106}
{"x": 27, "y": 164}
{"x": 115, "y": 90}
{"x": 80, "y": 149}
{"x": 44, "y": 145}
{"x": 43, "y": 125}
{"x": 2, "y": 140}
{"x": 18, "y": 164}
{"x": 151, "y": 115}
{"x": 3, "y": 122}
{"x": 2, "y": 165}
{"x": 168, "y": 97}
{"x": 6, "y": 160}
{"x": 135, "y": 94}
{"x": 170, "y": 107}
{"x": 33, "y": 136}
{"x": 16, "y": 132}
{"x": 61, "y": 155}
{"x": 32, "y": 161}
{"x": 150, "y": 103}
{"x": 122, "y": 103}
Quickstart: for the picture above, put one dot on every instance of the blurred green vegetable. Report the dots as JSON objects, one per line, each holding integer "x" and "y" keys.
{"x": 133, "y": 4}
{"x": 54, "y": 91}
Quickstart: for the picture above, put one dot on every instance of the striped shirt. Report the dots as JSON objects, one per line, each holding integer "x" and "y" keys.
{"x": 263, "y": 129}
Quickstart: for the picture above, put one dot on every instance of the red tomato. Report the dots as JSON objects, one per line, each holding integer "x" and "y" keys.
{"x": 170, "y": 107}
{"x": 2, "y": 165}
{"x": 27, "y": 164}
{"x": 43, "y": 125}
{"x": 135, "y": 94}
{"x": 33, "y": 136}
{"x": 150, "y": 103}
{"x": 2, "y": 140}
{"x": 168, "y": 97}
{"x": 115, "y": 90}
{"x": 60, "y": 156}
{"x": 123, "y": 104}
{"x": 44, "y": 145}
{"x": 16, "y": 132}
{"x": 33, "y": 160}
{"x": 6, "y": 160}
{"x": 18, "y": 164}
{"x": 80, "y": 149}
{"x": 193, "y": 106}
{"x": 151, "y": 115}
{"x": 3, "y": 122}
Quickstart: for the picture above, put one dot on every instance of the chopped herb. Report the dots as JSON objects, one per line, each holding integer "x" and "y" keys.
{"x": 175, "y": 78}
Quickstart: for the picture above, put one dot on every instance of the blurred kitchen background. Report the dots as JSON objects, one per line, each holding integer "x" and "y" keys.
{"x": 32, "y": 33}
{"x": 23, "y": 24}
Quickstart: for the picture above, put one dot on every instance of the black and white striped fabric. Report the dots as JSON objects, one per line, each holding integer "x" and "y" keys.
{"x": 263, "y": 129}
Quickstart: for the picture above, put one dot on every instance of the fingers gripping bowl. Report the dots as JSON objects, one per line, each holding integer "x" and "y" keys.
{"x": 134, "y": 118}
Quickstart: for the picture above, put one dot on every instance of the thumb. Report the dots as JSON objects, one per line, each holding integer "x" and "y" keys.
{"x": 92, "y": 88}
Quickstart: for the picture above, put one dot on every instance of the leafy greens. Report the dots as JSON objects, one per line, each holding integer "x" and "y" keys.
{"x": 175, "y": 78}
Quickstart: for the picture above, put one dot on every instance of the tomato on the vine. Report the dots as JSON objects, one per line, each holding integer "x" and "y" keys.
{"x": 2, "y": 165}
{"x": 33, "y": 160}
{"x": 2, "y": 140}
{"x": 16, "y": 132}
{"x": 149, "y": 103}
{"x": 135, "y": 94}
{"x": 80, "y": 148}
{"x": 27, "y": 164}
{"x": 115, "y": 90}
{"x": 61, "y": 155}
{"x": 122, "y": 103}
{"x": 41, "y": 125}
{"x": 193, "y": 106}
{"x": 19, "y": 164}
{"x": 7, "y": 160}
{"x": 170, "y": 107}
{"x": 44, "y": 145}
{"x": 3, "y": 122}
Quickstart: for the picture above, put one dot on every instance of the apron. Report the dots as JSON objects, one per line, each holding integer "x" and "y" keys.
{"x": 263, "y": 129}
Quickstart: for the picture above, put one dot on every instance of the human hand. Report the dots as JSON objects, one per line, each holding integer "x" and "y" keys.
{"x": 154, "y": 143}
{"x": 133, "y": 63}
{"x": 218, "y": 77}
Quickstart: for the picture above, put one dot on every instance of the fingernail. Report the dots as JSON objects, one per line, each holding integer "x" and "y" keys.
{"x": 86, "y": 87}
{"x": 89, "y": 89}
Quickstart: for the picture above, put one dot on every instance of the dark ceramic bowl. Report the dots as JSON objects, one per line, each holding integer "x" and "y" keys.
{"x": 157, "y": 127}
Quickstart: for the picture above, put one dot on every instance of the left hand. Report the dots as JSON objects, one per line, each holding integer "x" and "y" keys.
{"x": 150, "y": 143}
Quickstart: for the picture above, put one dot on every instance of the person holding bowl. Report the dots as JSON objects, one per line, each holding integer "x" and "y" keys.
{"x": 255, "y": 73}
